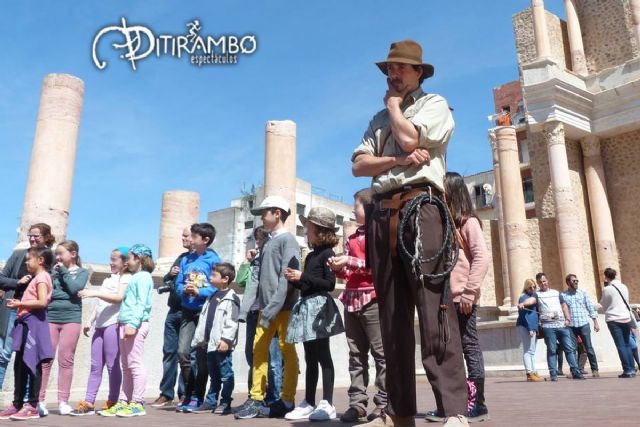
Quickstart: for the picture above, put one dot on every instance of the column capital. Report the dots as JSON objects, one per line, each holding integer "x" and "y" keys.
{"x": 590, "y": 146}
{"x": 553, "y": 133}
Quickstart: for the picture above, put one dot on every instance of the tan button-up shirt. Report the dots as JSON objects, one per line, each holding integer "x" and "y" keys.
{"x": 430, "y": 114}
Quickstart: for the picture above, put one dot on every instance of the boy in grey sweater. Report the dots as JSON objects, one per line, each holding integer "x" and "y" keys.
{"x": 275, "y": 297}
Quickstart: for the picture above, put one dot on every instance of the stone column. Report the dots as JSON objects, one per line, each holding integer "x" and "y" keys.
{"x": 497, "y": 197}
{"x": 635, "y": 18}
{"x": 180, "y": 209}
{"x": 567, "y": 228}
{"x": 578, "y": 60}
{"x": 280, "y": 165}
{"x": 515, "y": 221}
{"x": 601, "y": 222}
{"x": 48, "y": 194}
{"x": 543, "y": 46}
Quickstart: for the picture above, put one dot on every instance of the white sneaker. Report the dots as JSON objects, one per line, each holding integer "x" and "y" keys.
{"x": 64, "y": 408}
{"x": 457, "y": 421}
{"x": 42, "y": 409}
{"x": 300, "y": 412}
{"x": 323, "y": 412}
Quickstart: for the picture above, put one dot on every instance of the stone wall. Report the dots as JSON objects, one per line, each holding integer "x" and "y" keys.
{"x": 526, "y": 43}
{"x": 547, "y": 242}
{"x": 621, "y": 157}
{"x": 607, "y": 33}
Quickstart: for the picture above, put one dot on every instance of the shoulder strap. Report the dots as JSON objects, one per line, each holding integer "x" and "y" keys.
{"x": 624, "y": 300}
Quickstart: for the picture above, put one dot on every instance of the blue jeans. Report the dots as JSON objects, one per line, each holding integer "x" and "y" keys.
{"x": 5, "y": 347}
{"x": 620, "y": 333}
{"x": 584, "y": 332}
{"x": 568, "y": 341}
{"x": 274, "y": 380}
{"x": 221, "y": 375}
{"x": 528, "y": 349}
{"x": 170, "y": 356}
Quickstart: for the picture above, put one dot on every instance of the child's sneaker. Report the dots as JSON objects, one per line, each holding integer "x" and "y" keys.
{"x": 111, "y": 412}
{"x": 185, "y": 403}
{"x": 206, "y": 407}
{"x": 300, "y": 412}
{"x": 7, "y": 413}
{"x": 133, "y": 409}
{"x": 64, "y": 408}
{"x": 224, "y": 408}
{"x": 191, "y": 406}
{"x": 27, "y": 412}
{"x": 277, "y": 409}
{"x": 324, "y": 411}
{"x": 42, "y": 408}
{"x": 250, "y": 409}
{"x": 84, "y": 408}
{"x": 353, "y": 414}
{"x": 107, "y": 404}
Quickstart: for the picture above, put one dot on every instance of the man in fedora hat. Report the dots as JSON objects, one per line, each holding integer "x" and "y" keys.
{"x": 403, "y": 150}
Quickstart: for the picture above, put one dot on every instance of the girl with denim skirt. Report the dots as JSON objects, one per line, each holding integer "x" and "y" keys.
{"x": 315, "y": 317}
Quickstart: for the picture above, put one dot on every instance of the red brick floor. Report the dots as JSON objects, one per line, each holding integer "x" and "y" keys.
{"x": 607, "y": 401}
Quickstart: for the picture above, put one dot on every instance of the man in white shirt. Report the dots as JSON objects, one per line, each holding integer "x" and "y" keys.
{"x": 555, "y": 319}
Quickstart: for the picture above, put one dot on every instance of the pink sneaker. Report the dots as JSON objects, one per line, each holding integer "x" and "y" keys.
{"x": 7, "y": 413}
{"x": 26, "y": 413}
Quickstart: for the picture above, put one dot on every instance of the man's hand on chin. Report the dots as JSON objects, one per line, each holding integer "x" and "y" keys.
{"x": 392, "y": 98}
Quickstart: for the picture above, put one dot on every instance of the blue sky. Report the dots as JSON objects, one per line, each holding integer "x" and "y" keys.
{"x": 171, "y": 125}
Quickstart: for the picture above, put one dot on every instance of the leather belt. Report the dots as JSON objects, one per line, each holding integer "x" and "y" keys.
{"x": 395, "y": 201}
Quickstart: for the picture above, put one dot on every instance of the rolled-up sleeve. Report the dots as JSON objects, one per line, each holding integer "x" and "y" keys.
{"x": 434, "y": 122}
{"x": 367, "y": 145}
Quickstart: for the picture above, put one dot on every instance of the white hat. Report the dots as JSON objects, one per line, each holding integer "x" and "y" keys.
{"x": 272, "y": 202}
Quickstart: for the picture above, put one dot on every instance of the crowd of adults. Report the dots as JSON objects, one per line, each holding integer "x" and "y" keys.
{"x": 563, "y": 320}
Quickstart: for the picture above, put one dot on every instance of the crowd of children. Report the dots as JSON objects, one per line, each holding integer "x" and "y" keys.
{"x": 285, "y": 302}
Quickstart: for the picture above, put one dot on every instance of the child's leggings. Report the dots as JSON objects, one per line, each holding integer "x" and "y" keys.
{"x": 318, "y": 351}
{"x": 105, "y": 350}
{"x": 64, "y": 339}
{"x": 134, "y": 374}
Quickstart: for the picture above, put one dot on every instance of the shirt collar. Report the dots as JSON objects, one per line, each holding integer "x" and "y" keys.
{"x": 411, "y": 98}
{"x": 277, "y": 232}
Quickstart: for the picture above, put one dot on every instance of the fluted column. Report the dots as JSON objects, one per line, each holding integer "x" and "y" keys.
{"x": 48, "y": 194}
{"x": 567, "y": 227}
{"x": 601, "y": 221}
{"x": 635, "y": 19}
{"x": 578, "y": 60}
{"x": 515, "y": 220}
{"x": 543, "y": 46}
{"x": 280, "y": 165}
{"x": 497, "y": 197}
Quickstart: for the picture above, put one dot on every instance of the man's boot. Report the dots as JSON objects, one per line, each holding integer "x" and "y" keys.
{"x": 479, "y": 412}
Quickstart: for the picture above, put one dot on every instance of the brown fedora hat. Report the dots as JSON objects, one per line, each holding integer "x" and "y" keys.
{"x": 406, "y": 52}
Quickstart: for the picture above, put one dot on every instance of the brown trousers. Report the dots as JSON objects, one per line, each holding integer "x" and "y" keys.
{"x": 399, "y": 294}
